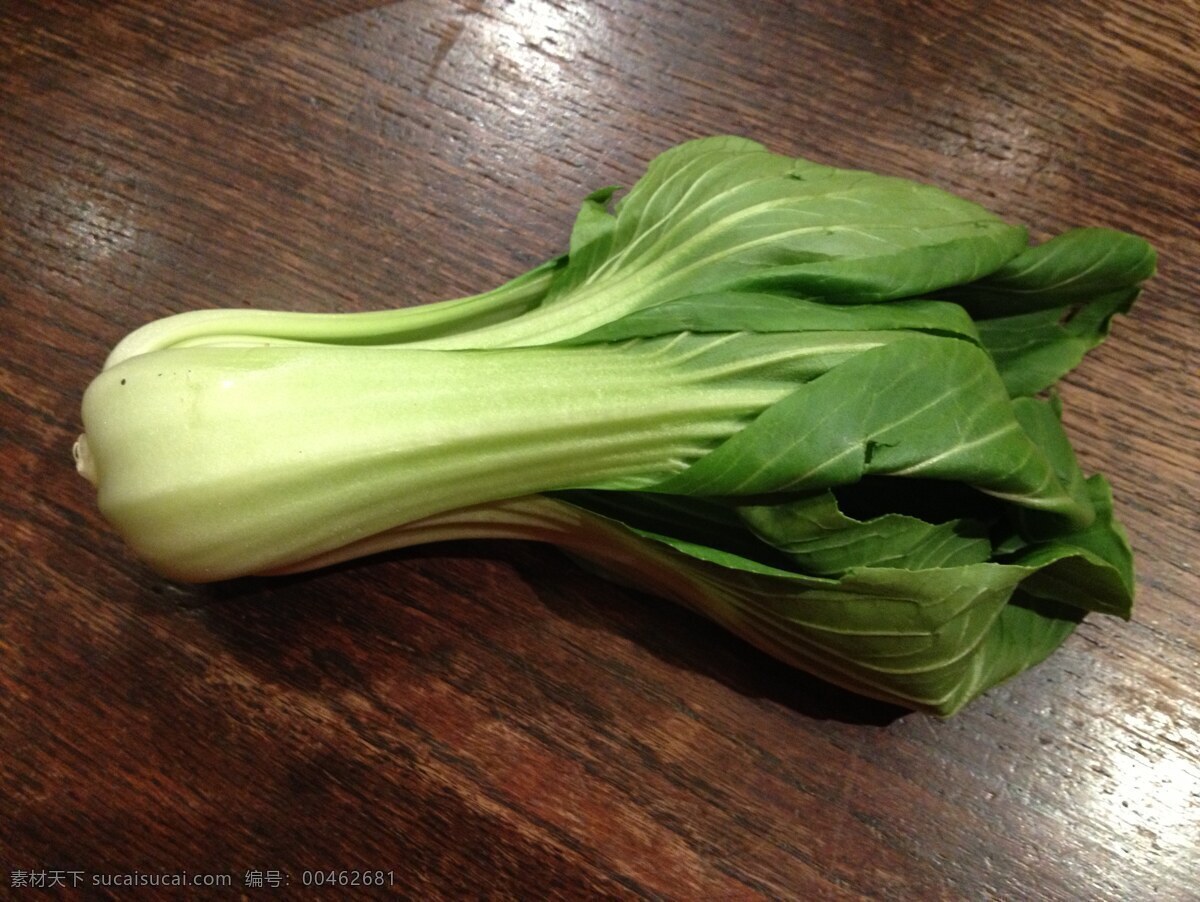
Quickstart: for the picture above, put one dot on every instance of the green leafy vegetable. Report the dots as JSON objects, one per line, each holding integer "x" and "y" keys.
{"x": 803, "y": 401}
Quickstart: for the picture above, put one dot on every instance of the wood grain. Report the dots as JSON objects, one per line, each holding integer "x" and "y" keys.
{"x": 483, "y": 718}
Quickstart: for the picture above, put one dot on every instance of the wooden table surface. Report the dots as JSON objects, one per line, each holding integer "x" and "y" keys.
{"x": 485, "y": 717}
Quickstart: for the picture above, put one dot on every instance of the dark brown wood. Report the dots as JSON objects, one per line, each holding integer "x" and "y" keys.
{"x": 484, "y": 716}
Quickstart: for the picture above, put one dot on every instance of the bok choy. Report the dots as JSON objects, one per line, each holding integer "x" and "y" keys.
{"x": 812, "y": 404}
